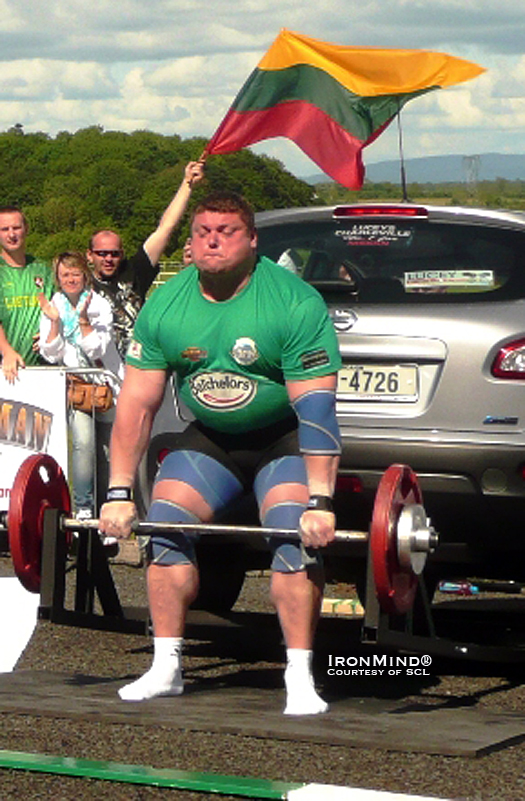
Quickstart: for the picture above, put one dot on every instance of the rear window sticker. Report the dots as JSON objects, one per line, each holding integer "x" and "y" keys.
{"x": 381, "y": 234}
{"x": 433, "y": 279}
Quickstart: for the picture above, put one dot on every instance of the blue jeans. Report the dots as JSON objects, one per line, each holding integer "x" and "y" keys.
{"x": 82, "y": 427}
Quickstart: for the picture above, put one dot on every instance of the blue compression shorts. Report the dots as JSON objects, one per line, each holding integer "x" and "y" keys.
{"x": 222, "y": 467}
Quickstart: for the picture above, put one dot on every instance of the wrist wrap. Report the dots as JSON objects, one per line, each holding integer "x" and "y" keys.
{"x": 119, "y": 494}
{"x": 320, "y": 503}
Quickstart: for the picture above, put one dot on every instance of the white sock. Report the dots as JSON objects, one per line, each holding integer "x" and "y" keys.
{"x": 301, "y": 695}
{"x": 164, "y": 676}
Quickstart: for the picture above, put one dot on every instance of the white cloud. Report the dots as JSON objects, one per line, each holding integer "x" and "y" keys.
{"x": 41, "y": 79}
{"x": 11, "y": 21}
{"x": 460, "y": 109}
{"x": 203, "y": 75}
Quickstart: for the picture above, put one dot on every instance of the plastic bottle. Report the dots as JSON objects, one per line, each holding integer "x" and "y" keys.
{"x": 458, "y": 587}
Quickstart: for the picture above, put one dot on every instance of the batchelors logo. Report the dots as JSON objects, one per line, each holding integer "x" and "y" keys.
{"x": 222, "y": 391}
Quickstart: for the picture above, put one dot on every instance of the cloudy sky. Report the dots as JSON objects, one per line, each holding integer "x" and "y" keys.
{"x": 174, "y": 66}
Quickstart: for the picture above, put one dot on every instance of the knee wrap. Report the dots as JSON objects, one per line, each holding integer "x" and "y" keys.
{"x": 284, "y": 515}
{"x": 318, "y": 428}
{"x": 217, "y": 485}
{"x": 171, "y": 549}
{"x": 285, "y": 470}
{"x": 289, "y": 556}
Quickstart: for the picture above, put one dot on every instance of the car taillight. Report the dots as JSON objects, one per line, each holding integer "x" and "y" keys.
{"x": 380, "y": 211}
{"x": 161, "y": 455}
{"x": 348, "y": 484}
{"x": 510, "y": 361}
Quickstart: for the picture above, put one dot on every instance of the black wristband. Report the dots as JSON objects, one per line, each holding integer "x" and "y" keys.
{"x": 321, "y": 503}
{"x": 119, "y": 494}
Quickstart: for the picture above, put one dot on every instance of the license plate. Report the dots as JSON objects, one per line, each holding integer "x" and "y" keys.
{"x": 379, "y": 382}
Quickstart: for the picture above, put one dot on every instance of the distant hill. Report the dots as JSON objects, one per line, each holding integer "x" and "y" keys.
{"x": 443, "y": 169}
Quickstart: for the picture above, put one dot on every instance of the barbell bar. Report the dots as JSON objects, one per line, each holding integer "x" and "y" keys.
{"x": 400, "y": 539}
{"x": 144, "y": 528}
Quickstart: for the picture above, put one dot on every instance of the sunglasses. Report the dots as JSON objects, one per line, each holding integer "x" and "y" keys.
{"x": 104, "y": 253}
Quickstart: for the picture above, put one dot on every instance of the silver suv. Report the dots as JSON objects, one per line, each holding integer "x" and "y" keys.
{"x": 429, "y": 305}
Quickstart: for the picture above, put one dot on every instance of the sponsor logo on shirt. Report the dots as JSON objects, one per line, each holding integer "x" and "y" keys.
{"x": 135, "y": 349}
{"x": 194, "y": 353}
{"x": 245, "y": 351}
{"x": 222, "y": 392}
{"x": 21, "y": 302}
{"x": 315, "y": 358}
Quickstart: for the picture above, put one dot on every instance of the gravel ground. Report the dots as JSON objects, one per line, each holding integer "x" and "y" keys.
{"x": 499, "y": 775}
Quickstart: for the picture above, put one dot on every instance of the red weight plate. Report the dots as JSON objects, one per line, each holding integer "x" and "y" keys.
{"x": 395, "y": 585}
{"x": 40, "y": 484}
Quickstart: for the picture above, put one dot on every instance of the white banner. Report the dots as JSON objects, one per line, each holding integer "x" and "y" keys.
{"x": 32, "y": 420}
{"x": 16, "y": 628}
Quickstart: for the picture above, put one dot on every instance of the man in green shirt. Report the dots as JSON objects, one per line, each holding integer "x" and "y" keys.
{"x": 256, "y": 358}
{"x": 22, "y": 279}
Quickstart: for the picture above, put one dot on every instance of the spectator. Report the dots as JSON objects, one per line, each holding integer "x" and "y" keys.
{"x": 187, "y": 257}
{"x": 291, "y": 260}
{"x": 22, "y": 279}
{"x": 126, "y": 283}
{"x": 258, "y": 372}
{"x": 75, "y": 330}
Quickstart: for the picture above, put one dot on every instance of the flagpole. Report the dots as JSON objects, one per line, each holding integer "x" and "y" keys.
{"x": 402, "y": 156}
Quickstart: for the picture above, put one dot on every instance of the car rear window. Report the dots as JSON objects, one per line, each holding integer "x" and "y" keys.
{"x": 401, "y": 261}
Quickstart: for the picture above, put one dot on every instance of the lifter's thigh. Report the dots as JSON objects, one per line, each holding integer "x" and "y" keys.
{"x": 282, "y": 493}
{"x": 190, "y": 487}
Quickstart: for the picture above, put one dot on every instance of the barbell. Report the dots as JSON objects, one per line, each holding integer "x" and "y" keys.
{"x": 401, "y": 536}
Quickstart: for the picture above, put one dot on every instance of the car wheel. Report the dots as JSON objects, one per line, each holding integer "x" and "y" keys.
{"x": 158, "y": 448}
{"x": 221, "y": 573}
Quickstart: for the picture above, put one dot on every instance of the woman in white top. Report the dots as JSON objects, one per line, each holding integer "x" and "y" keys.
{"x": 76, "y": 331}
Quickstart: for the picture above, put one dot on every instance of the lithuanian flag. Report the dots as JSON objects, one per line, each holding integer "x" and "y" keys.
{"x": 331, "y": 100}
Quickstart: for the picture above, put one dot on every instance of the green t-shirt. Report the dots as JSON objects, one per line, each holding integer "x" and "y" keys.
{"x": 19, "y": 309}
{"x": 232, "y": 358}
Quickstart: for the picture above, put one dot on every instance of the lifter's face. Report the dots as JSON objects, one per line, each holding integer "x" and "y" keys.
{"x": 221, "y": 243}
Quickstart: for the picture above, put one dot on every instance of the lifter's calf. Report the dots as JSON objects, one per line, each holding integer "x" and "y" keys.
{"x": 297, "y": 598}
{"x": 171, "y": 590}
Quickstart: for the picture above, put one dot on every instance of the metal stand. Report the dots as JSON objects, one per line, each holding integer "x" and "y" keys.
{"x": 93, "y": 581}
{"x": 396, "y": 632}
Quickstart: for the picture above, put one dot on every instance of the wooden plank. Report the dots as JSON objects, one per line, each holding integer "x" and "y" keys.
{"x": 251, "y": 711}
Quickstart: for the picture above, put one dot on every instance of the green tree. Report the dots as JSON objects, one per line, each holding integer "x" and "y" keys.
{"x": 75, "y": 183}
